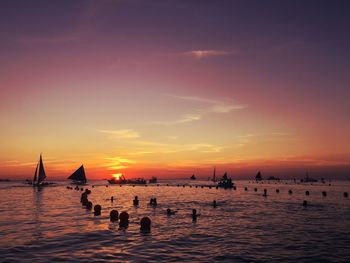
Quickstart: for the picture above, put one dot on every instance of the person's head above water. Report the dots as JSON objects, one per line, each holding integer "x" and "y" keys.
{"x": 113, "y": 215}
{"x": 97, "y": 210}
{"x": 145, "y": 224}
{"x": 89, "y": 205}
{"x": 123, "y": 219}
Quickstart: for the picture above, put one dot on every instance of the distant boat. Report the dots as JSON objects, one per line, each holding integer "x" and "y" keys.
{"x": 123, "y": 180}
{"x": 39, "y": 175}
{"x": 225, "y": 182}
{"x": 119, "y": 180}
{"x": 308, "y": 179}
{"x": 193, "y": 177}
{"x": 137, "y": 181}
{"x": 78, "y": 177}
{"x": 214, "y": 176}
{"x": 153, "y": 180}
{"x": 258, "y": 177}
{"x": 4, "y": 180}
{"x": 272, "y": 178}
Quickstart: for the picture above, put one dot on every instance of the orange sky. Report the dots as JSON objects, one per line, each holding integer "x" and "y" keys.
{"x": 173, "y": 90}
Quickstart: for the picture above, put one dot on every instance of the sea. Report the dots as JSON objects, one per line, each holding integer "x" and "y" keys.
{"x": 51, "y": 225}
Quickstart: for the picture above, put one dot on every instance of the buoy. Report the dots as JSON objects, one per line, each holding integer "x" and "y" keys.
{"x": 245, "y": 189}
{"x": 307, "y": 193}
{"x": 324, "y": 193}
{"x": 277, "y": 190}
{"x": 145, "y": 224}
{"x": 304, "y": 203}
{"x": 255, "y": 189}
{"x": 290, "y": 192}
{"x": 97, "y": 210}
{"x": 214, "y": 203}
{"x": 113, "y": 215}
{"x": 346, "y": 195}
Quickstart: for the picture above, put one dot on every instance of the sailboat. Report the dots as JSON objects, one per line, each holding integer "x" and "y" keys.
{"x": 258, "y": 177}
{"x": 39, "y": 175}
{"x": 78, "y": 177}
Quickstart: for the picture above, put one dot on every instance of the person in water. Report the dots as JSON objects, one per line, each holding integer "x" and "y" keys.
{"x": 214, "y": 204}
{"x": 123, "y": 220}
{"x": 194, "y": 215}
{"x": 170, "y": 212}
{"x": 113, "y": 215}
{"x": 97, "y": 210}
{"x": 153, "y": 202}
{"x": 145, "y": 224}
{"x": 265, "y": 193}
{"x": 136, "y": 201}
{"x": 89, "y": 205}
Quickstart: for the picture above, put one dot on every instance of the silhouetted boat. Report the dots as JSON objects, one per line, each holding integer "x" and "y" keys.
{"x": 122, "y": 180}
{"x": 258, "y": 177}
{"x": 119, "y": 180}
{"x": 4, "y": 180}
{"x": 153, "y": 180}
{"x": 137, "y": 181}
{"x": 193, "y": 177}
{"x": 225, "y": 182}
{"x": 272, "y": 178}
{"x": 308, "y": 179}
{"x": 78, "y": 177}
{"x": 39, "y": 175}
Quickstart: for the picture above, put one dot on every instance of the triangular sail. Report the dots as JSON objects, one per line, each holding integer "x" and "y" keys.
{"x": 36, "y": 173}
{"x": 41, "y": 175}
{"x": 79, "y": 175}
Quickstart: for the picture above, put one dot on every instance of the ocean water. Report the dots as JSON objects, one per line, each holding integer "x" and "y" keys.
{"x": 51, "y": 225}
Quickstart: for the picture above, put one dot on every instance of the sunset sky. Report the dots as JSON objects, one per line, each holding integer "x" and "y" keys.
{"x": 172, "y": 88}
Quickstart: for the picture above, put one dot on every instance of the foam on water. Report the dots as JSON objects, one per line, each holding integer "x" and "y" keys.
{"x": 51, "y": 225}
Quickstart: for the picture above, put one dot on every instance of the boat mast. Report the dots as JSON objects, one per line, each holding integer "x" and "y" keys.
{"x": 214, "y": 178}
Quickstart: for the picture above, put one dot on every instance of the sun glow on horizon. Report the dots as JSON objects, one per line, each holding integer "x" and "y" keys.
{"x": 117, "y": 176}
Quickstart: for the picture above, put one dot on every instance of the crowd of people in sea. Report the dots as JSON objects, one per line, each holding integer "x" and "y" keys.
{"x": 145, "y": 222}
{"x": 123, "y": 217}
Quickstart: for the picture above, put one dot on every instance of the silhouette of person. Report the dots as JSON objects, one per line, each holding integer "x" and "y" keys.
{"x": 113, "y": 215}
{"x": 170, "y": 212}
{"x": 97, "y": 210}
{"x": 194, "y": 215}
{"x": 214, "y": 203}
{"x": 123, "y": 220}
{"x": 145, "y": 224}
{"x": 89, "y": 205}
{"x": 136, "y": 201}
